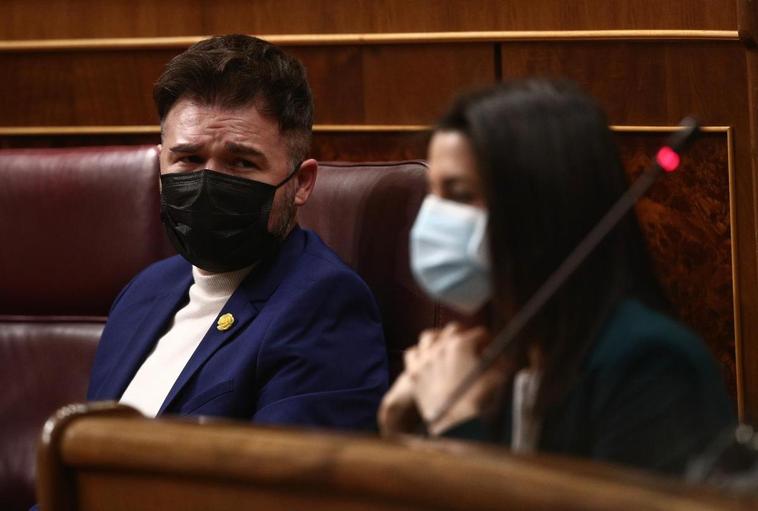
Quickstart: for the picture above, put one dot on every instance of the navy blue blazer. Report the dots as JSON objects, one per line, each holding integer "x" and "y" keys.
{"x": 306, "y": 346}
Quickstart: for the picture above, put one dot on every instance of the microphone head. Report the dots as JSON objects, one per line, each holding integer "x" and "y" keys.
{"x": 680, "y": 139}
{"x": 668, "y": 156}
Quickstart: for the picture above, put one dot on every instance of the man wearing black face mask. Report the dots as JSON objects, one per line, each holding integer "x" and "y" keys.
{"x": 256, "y": 318}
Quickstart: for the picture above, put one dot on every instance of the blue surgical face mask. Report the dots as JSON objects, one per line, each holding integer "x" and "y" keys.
{"x": 450, "y": 254}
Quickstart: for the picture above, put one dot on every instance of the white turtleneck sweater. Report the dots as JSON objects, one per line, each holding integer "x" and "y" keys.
{"x": 155, "y": 378}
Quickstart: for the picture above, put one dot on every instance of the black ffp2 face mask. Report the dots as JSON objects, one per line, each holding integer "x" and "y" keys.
{"x": 216, "y": 221}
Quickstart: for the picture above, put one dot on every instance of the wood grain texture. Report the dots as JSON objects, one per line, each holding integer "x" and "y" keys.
{"x": 414, "y": 84}
{"x": 351, "y": 84}
{"x": 22, "y": 19}
{"x": 358, "y": 147}
{"x": 363, "y": 147}
{"x": 100, "y": 88}
{"x": 31, "y": 46}
{"x": 98, "y": 462}
{"x": 746, "y": 194}
{"x": 686, "y": 221}
{"x": 747, "y": 22}
{"x": 641, "y": 83}
{"x": 39, "y": 141}
{"x": 132, "y": 492}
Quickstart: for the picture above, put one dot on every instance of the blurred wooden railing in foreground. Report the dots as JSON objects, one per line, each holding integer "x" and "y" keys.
{"x": 106, "y": 456}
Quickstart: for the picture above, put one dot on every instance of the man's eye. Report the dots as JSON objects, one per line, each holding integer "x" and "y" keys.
{"x": 191, "y": 159}
{"x": 245, "y": 164}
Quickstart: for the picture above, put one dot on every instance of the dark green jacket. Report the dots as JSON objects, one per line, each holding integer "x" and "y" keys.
{"x": 649, "y": 395}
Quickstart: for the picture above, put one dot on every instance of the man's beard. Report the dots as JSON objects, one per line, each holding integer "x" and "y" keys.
{"x": 284, "y": 214}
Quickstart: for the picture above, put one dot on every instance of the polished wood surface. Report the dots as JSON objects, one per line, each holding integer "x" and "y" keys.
{"x": 351, "y": 84}
{"x": 747, "y": 22}
{"x": 330, "y": 146}
{"x": 147, "y": 18}
{"x": 101, "y": 459}
{"x": 746, "y": 197}
{"x": 660, "y": 83}
{"x": 285, "y": 40}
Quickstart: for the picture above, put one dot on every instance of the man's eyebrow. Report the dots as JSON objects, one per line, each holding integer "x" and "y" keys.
{"x": 238, "y": 149}
{"x": 185, "y": 148}
{"x": 242, "y": 149}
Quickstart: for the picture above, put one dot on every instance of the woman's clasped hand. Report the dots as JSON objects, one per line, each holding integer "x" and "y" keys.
{"x": 433, "y": 370}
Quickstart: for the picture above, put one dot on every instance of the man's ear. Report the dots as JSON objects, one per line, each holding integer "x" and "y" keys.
{"x": 159, "y": 147}
{"x": 306, "y": 180}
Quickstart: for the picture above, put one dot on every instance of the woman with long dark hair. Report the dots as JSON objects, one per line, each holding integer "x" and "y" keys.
{"x": 518, "y": 174}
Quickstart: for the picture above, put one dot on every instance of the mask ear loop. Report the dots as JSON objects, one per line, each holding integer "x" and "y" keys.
{"x": 291, "y": 174}
{"x": 478, "y": 246}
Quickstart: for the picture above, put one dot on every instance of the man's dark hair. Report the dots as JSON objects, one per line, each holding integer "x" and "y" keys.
{"x": 237, "y": 70}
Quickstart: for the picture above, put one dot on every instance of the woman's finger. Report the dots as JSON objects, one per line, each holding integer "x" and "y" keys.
{"x": 427, "y": 338}
{"x": 410, "y": 358}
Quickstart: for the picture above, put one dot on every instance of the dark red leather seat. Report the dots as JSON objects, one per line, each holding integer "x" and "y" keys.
{"x": 77, "y": 224}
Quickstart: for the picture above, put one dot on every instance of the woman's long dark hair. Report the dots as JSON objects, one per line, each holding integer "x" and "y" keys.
{"x": 549, "y": 170}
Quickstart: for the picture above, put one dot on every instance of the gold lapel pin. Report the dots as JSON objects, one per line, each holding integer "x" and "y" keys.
{"x": 225, "y": 322}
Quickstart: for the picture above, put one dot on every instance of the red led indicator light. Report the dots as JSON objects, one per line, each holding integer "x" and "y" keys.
{"x": 667, "y": 159}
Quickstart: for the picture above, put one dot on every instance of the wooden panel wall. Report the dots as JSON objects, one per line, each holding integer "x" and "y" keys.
{"x": 648, "y": 62}
{"x": 687, "y": 222}
{"x": 56, "y": 19}
{"x": 351, "y": 84}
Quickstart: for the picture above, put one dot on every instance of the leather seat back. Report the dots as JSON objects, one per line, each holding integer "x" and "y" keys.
{"x": 75, "y": 226}
{"x": 364, "y": 212}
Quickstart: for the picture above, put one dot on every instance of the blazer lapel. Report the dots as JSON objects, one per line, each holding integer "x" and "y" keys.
{"x": 244, "y": 305}
{"x": 155, "y": 316}
{"x": 239, "y": 307}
